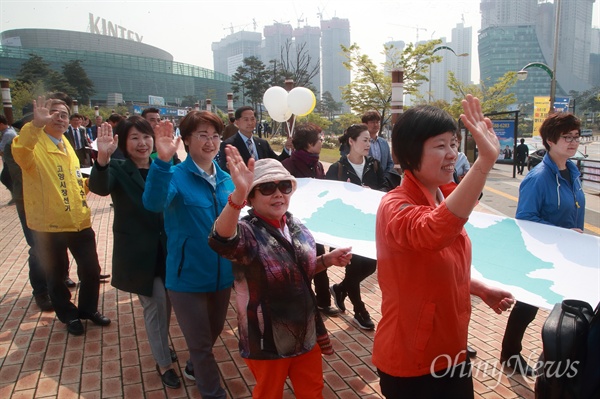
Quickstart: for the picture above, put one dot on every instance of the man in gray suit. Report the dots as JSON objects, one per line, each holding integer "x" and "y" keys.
{"x": 380, "y": 149}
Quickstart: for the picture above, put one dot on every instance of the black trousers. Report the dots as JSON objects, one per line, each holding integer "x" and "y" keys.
{"x": 357, "y": 270}
{"x": 52, "y": 251}
{"x": 321, "y": 281}
{"x": 455, "y": 382}
{"x": 37, "y": 278}
{"x": 6, "y": 178}
{"x": 520, "y": 316}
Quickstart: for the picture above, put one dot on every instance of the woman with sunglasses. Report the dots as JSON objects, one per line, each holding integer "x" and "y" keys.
{"x": 191, "y": 195}
{"x": 275, "y": 258}
{"x": 551, "y": 193}
{"x": 359, "y": 168}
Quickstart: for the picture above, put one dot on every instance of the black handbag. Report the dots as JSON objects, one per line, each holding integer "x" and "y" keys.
{"x": 565, "y": 351}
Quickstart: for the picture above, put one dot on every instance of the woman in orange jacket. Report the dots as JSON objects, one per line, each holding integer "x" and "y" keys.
{"x": 424, "y": 257}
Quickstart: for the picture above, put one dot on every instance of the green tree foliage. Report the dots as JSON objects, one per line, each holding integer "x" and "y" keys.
{"x": 78, "y": 79}
{"x": 189, "y": 101}
{"x": 317, "y": 119}
{"x": 327, "y": 106}
{"x": 23, "y": 94}
{"x": 36, "y": 70}
{"x": 250, "y": 81}
{"x": 371, "y": 87}
{"x": 494, "y": 97}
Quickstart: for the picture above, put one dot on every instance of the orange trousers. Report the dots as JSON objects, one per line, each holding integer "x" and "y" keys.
{"x": 305, "y": 372}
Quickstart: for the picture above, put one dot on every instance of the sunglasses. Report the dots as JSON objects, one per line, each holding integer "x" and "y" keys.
{"x": 284, "y": 186}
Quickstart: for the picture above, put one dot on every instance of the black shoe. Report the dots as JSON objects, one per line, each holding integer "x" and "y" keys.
{"x": 173, "y": 355}
{"x": 70, "y": 283}
{"x": 329, "y": 311}
{"x": 169, "y": 378}
{"x": 189, "y": 373}
{"x": 363, "y": 320}
{"x": 43, "y": 302}
{"x": 96, "y": 318}
{"x": 518, "y": 364}
{"x": 75, "y": 327}
{"x": 338, "y": 297}
{"x": 471, "y": 352}
{"x": 104, "y": 276}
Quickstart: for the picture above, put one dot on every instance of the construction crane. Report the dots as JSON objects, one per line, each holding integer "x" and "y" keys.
{"x": 231, "y": 27}
{"x": 413, "y": 27}
{"x": 300, "y": 20}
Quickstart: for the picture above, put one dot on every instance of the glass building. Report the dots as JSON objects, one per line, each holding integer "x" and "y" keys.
{"x": 115, "y": 65}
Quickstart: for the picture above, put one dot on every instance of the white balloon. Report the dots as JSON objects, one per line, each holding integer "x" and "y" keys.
{"x": 275, "y": 100}
{"x": 300, "y": 100}
{"x": 281, "y": 116}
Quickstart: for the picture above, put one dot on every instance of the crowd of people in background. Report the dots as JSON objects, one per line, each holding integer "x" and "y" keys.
{"x": 179, "y": 242}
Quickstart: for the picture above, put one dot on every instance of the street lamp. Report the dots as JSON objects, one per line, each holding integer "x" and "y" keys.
{"x": 432, "y": 53}
{"x": 522, "y": 75}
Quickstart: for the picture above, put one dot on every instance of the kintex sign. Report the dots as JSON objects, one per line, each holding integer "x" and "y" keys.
{"x": 101, "y": 26}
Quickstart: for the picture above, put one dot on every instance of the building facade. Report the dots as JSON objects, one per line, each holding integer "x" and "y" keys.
{"x": 334, "y": 32}
{"x": 115, "y": 65}
{"x": 515, "y": 33}
{"x": 229, "y": 53}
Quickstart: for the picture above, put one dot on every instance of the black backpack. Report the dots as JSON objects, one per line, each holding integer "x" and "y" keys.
{"x": 571, "y": 357}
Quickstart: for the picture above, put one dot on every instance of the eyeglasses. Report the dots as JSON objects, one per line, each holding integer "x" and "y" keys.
{"x": 284, "y": 186}
{"x": 570, "y": 139}
{"x": 61, "y": 115}
{"x": 203, "y": 138}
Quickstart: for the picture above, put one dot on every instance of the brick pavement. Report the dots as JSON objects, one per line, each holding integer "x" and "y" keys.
{"x": 38, "y": 359}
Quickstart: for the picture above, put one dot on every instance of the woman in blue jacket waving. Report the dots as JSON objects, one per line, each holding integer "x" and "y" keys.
{"x": 192, "y": 194}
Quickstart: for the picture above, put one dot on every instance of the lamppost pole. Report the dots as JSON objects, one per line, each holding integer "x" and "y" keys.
{"x": 432, "y": 53}
{"x": 555, "y": 55}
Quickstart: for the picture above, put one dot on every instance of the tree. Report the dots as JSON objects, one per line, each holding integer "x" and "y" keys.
{"x": 189, "y": 101}
{"x": 77, "y": 78}
{"x": 36, "y": 69}
{"x": 327, "y": 106}
{"x": 251, "y": 80}
{"x": 297, "y": 65}
{"x": 493, "y": 98}
{"x": 371, "y": 87}
{"x": 316, "y": 118}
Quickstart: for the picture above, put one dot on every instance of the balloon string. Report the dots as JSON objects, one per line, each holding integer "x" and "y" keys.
{"x": 293, "y": 125}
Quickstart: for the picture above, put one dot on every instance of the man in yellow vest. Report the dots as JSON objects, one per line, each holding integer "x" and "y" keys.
{"x": 57, "y": 211}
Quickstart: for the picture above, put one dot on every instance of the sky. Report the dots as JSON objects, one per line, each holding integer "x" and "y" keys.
{"x": 186, "y": 29}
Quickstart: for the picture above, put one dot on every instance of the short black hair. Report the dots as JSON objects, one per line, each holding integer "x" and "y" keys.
{"x": 556, "y": 124}
{"x": 413, "y": 128}
{"x": 3, "y": 120}
{"x": 150, "y": 110}
{"x": 240, "y": 110}
{"x": 370, "y": 116}
{"x": 115, "y": 118}
{"x": 124, "y": 127}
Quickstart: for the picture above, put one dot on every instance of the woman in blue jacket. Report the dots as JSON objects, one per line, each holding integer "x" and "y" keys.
{"x": 550, "y": 194}
{"x": 192, "y": 194}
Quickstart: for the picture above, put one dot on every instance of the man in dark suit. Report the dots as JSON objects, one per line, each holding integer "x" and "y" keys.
{"x": 247, "y": 144}
{"x": 78, "y": 139}
{"x": 94, "y": 129}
